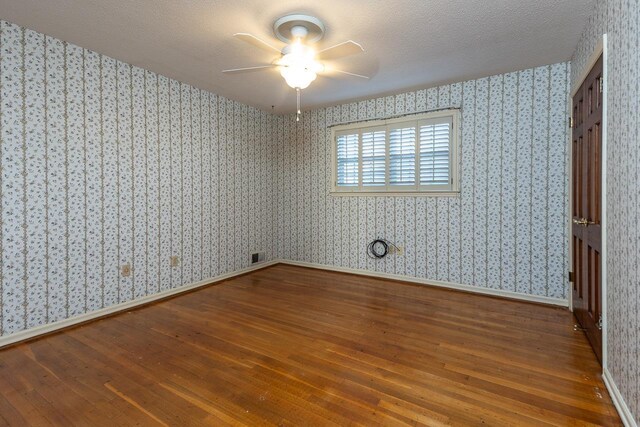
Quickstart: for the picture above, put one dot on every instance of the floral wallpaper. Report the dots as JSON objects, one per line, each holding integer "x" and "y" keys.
{"x": 620, "y": 20}
{"x": 106, "y": 165}
{"x": 506, "y": 230}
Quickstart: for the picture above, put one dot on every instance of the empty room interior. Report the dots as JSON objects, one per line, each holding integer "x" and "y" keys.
{"x": 303, "y": 213}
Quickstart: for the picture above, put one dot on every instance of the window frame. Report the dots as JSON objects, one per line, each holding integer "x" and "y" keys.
{"x": 417, "y": 189}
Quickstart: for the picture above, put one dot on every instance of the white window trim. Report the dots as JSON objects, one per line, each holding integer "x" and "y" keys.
{"x": 389, "y": 190}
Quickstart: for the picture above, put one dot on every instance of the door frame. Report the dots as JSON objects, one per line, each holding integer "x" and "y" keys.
{"x": 600, "y": 49}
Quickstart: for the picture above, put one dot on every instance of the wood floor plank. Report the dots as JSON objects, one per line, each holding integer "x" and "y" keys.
{"x": 295, "y": 346}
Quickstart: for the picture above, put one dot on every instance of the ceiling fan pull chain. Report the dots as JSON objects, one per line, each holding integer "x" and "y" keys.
{"x": 298, "y": 110}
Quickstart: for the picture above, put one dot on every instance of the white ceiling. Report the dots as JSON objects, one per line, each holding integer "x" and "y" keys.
{"x": 408, "y": 43}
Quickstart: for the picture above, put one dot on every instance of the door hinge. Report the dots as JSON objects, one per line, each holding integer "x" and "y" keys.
{"x": 601, "y": 83}
{"x": 599, "y": 324}
{"x": 571, "y": 122}
{"x": 571, "y": 276}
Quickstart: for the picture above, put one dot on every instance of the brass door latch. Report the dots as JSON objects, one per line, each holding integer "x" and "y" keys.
{"x": 583, "y": 222}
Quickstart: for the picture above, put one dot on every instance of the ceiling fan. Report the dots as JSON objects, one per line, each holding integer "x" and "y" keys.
{"x": 298, "y": 62}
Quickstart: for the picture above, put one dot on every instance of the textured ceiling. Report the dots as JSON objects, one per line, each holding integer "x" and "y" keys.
{"x": 408, "y": 43}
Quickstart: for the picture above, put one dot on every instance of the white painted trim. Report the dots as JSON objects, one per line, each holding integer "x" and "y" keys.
{"x": 603, "y": 223}
{"x": 437, "y": 283}
{"x": 395, "y": 194}
{"x": 65, "y": 323}
{"x": 618, "y": 400}
{"x": 569, "y": 223}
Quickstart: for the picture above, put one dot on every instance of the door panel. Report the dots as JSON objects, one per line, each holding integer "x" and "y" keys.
{"x": 586, "y": 204}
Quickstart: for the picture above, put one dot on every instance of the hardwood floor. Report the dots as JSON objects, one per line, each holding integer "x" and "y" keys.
{"x": 294, "y": 346}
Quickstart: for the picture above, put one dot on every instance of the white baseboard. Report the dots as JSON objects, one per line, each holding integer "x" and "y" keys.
{"x": 81, "y": 318}
{"x": 458, "y": 286}
{"x": 618, "y": 400}
{"x": 65, "y": 323}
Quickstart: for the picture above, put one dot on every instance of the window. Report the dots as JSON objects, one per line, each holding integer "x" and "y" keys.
{"x": 408, "y": 155}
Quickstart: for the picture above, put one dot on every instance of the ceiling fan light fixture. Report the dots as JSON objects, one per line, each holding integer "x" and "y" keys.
{"x": 297, "y": 78}
{"x": 298, "y": 67}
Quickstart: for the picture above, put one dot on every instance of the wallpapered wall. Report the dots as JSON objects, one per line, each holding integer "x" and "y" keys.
{"x": 506, "y": 230}
{"x": 105, "y": 164}
{"x": 621, "y": 20}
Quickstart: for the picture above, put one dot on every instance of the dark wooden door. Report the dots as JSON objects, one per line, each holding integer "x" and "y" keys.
{"x": 587, "y": 209}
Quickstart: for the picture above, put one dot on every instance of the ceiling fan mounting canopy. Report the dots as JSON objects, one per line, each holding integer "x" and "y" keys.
{"x": 289, "y": 28}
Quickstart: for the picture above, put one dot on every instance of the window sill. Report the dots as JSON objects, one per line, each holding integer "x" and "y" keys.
{"x": 395, "y": 193}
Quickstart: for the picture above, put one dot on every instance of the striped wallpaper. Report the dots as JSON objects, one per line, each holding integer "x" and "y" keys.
{"x": 104, "y": 165}
{"x": 506, "y": 230}
{"x": 620, "y": 20}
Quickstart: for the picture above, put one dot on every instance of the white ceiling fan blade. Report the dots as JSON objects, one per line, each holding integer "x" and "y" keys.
{"x": 333, "y": 70}
{"x": 338, "y": 51}
{"x": 248, "y": 69}
{"x": 249, "y": 38}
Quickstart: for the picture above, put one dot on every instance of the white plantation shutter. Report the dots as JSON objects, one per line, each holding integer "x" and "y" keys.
{"x": 347, "y": 159}
{"x": 407, "y": 155}
{"x": 374, "y": 164}
{"x": 402, "y": 155}
{"x": 435, "y": 152}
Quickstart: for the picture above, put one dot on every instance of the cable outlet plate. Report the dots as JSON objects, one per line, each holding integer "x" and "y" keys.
{"x": 398, "y": 250}
{"x": 125, "y": 270}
